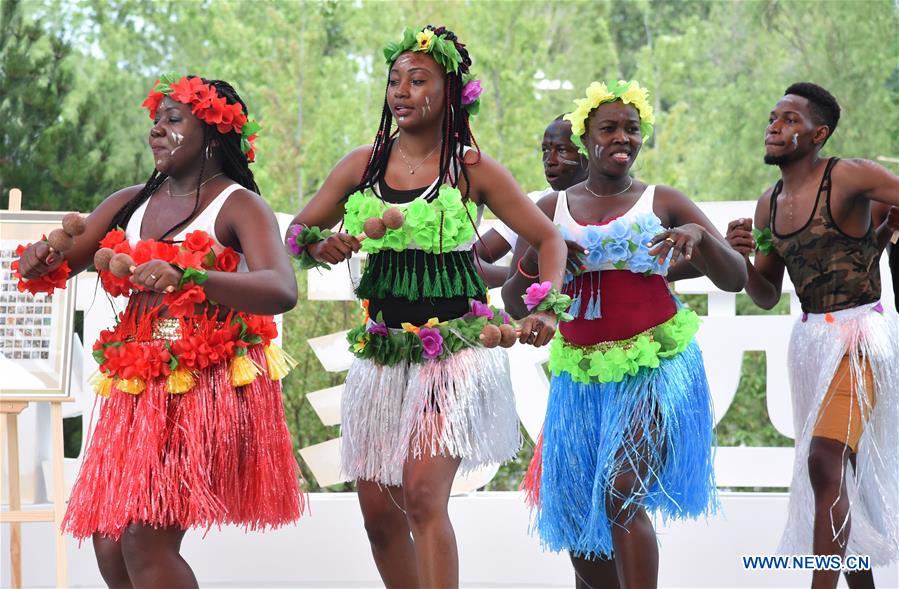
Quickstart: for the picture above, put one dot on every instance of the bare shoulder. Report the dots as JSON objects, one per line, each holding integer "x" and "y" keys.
{"x": 120, "y": 197}
{"x": 669, "y": 194}
{"x": 763, "y": 208}
{"x": 547, "y": 203}
{"x": 857, "y": 175}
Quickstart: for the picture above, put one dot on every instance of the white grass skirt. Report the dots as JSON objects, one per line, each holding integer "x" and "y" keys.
{"x": 819, "y": 341}
{"x": 462, "y": 406}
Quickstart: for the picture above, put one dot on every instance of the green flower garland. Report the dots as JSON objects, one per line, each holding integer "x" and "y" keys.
{"x": 764, "y": 240}
{"x": 388, "y": 347}
{"x": 423, "y": 222}
{"x": 425, "y": 40}
{"x": 611, "y": 361}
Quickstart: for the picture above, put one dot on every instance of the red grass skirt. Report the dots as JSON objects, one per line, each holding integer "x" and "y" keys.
{"x": 214, "y": 455}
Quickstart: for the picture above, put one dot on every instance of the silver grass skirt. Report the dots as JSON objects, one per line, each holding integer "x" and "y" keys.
{"x": 462, "y": 407}
{"x": 819, "y": 341}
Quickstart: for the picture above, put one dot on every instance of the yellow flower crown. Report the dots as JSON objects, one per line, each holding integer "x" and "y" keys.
{"x": 628, "y": 92}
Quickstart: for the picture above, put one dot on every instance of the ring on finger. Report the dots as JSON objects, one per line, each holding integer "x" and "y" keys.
{"x": 153, "y": 277}
{"x": 668, "y": 239}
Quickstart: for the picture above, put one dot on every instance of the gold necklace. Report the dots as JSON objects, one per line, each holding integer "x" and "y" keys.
{"x": 626, "y": 188}
{"x": 202, "y": 184}
{"x": 418, "y": 165}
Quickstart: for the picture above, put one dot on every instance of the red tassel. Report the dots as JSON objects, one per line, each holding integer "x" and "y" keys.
{"x": 531, "y": 482}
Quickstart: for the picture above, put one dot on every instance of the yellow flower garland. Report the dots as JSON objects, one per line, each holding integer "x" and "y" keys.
{"x": 628, "y": 92}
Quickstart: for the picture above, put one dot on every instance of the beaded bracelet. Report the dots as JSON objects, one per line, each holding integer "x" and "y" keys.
{"x": 543, "y": 297}
{"x": 298, "y": 241}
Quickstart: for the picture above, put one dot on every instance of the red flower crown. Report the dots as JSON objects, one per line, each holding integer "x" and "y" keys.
{"x": 207, "y": 106}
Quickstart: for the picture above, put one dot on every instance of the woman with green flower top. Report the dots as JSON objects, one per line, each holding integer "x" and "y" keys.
{"x": 426, "y": 396}
{"x": 628, "y": 427}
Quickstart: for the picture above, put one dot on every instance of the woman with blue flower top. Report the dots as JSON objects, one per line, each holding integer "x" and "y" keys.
{"x": 628, "y": 427}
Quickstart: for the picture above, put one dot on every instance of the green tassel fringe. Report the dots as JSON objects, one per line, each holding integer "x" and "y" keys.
{"x": 396, "y": 274}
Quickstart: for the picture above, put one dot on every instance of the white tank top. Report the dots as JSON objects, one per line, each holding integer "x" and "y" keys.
{"x": 562, "y": 215}
{"x": 571, "y": 229}
{"x": 205, "y": 221}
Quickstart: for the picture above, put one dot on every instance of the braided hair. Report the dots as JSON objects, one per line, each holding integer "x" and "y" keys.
{"x": 234, "y": 165}
{"x": 455, "y": 126}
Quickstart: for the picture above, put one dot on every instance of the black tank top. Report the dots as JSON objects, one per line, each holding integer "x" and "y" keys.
{"x": 387, "y": 285}
{"x": 830, "y": 270}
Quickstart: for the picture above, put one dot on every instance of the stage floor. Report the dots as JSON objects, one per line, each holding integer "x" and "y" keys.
{"x": 328, "y": 549}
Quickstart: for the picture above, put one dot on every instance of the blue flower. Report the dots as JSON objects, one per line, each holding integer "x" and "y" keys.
{"x": 642, "y": 261}
{"x": 619, "y": 230}
{"x": 618, "y": 250}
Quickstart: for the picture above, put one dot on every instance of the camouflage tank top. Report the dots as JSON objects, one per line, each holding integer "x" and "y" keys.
{"x": 830, "y": 270}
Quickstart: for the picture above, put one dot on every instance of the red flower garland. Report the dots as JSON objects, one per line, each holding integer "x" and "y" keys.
{"x": 195, "y": 252}
{"x": 209, "y": 344}
{"x": 207, "y": 106}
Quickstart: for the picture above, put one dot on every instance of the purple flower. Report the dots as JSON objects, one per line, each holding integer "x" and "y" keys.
{"x": 295, "y": 248}
{"x": 471, "y": 92}
{"x": 378, "y": 329}
{"x": 431, "y": 342}
{"x": 505, "y": 316}
{"x": 479, "y": 309}
{"x": 536, "y": 293}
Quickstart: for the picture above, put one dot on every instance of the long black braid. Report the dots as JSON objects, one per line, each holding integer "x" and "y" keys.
{"x": 234, "y": 165}
{"x": 456, "y": 131}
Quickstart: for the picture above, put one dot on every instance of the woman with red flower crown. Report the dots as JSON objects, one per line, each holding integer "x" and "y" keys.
{"x": 426, "y": 396}
{"x": 191, "y": 430}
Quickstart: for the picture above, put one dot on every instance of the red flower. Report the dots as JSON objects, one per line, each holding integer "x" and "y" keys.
{"x": 186, "y": 89}
{"x": 107, "y": 336}
{"x": 232, "y": 118}
{"x": 227, "y": 260}
{"x": 153, "y": 100}
{"x": 198, "y": 241}
{"x": 113, "y": 238}
{"x": 143, "y": 252}
{"x": 261, "y": 325}
{"x": 203, "y": 99}
{"x": 115, "y": 286}
{"x": 188, "y": 259}
{"x": 186, "y": 350}
{"x": 214, "y": 112}
{"x": 251, "y": 155}
{"x": 181, "y": 302}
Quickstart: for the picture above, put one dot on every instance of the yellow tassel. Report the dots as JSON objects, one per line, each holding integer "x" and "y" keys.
{"x": 242, "y": 371}
{"x": 179, "y": 382}
{"x": 132, "y": 386}
{"x": 278, "y": 361}
{"x": 101, "y": 383}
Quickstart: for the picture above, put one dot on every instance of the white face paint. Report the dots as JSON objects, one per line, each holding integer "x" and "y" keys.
{"x": 795, "y": 140}
{"x": 566, "y": 162}
{"x": 401, "y": 119}
{"x": 177, "y": 140}
{"x": 597, "y": 151}
{"x": 426, "y": 109}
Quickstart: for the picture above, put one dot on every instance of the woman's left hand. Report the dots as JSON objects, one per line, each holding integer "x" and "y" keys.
{"x": 682, "y": 240}
{"x": 157, "y": 276}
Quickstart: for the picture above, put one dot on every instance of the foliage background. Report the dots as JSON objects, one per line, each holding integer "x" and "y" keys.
{"x": 74, "y": 72}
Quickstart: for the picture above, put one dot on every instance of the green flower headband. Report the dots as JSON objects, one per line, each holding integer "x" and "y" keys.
{"x": 628, "y": 92}
{"x": 426, "y": 40}
{"x": 444, "y": 51}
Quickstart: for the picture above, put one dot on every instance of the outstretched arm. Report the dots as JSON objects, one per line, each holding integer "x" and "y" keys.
{"x": 887, "y": 220}
{"x": 37, "y": 259}
{"x": 326, "y": 208}
{"x": 694, "y": 237}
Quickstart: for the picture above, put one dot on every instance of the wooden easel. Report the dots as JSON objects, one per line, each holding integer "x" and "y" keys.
{"x": 11, "y": 406}
{"x": 9, "y": 435}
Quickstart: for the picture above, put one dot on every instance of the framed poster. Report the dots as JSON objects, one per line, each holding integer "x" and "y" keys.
{"x": 35, "y": 330}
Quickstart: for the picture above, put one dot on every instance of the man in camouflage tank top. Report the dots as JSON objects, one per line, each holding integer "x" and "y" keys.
{"x": 816, "y": 222}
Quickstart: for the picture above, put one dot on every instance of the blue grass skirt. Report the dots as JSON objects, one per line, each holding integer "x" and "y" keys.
{"x": 595, "y": 432}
